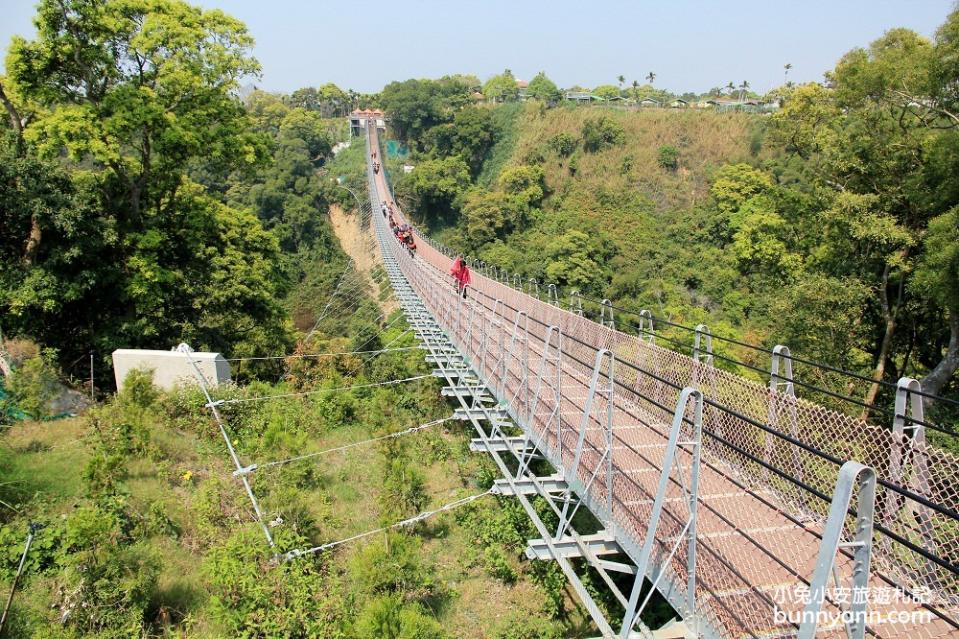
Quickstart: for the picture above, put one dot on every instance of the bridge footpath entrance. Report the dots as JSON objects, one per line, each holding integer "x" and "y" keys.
{"x": 723, "y": 494}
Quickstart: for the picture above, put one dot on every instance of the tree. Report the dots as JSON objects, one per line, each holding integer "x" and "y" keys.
{"x": 542, "y": 88}
{"x": 937, "y": 278}
{"x": 621, "y": 79}
{"x": 470, "y": 135}
{"x": 309, "y": 127}
{"x": 668, "y": 157}
{"x": 600, "y": 133}
{"x": 570, "y": 262}
{"x": 502, "y": 87}
{"x": 606, "y": 91}
{"x": 332, "y": 101}
{"x": 130, "y": 250}
{"x": 414, "y": 106}
{"x": 141, "y": 89}
{"x": 305, "y": 98}
{"x": 436, "y": 186}
{"x": 650, "y": 77}
{"x": 786, "y": 68}
{"x": 882, "y": 159}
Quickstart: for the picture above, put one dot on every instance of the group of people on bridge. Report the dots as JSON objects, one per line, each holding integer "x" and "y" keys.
{"x": 402, "y": 232}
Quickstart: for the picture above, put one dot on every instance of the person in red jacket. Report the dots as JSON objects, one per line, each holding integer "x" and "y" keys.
{"x": 461, "y": 274}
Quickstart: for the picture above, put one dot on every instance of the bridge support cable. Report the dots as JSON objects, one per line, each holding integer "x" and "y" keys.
{"x": 293, "y": 554}
{"x": 263, "y": 398}
{"x": 212, "y": 405}
{"x": 322, "y": 355}
{"x": 282, "y": 462}
{"x": 333, "y": 295}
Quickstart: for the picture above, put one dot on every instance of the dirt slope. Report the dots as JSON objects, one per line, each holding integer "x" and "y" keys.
{"x": 359, "y": 244}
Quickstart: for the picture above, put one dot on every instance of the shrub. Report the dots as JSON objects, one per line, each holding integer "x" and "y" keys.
{"x": 601, "y": 133}
{"x": 387, "y": 618}
{"x": 392, "y": 564}
{"x": 34, "y": 385}
{"x": 668, "y": 157}
{"x": 251, "y": 598}
{"x": 497, "y": 565}
{"x": 518, "y": 626}
{"x": 404, "y": 489}
{"x": 104, "y": 473}
{"x": 138, "y": 389}
{"x": 109, "y": 582}
{"x": 563, "y": 144}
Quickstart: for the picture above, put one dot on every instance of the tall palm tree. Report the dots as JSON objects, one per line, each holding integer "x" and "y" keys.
{"x": 742, "y": 90}
{"x": 730, "y": 87}
{"x": 621, "y": 80}
{"x": 786, "y": 68}
{"x": 651, "y": 77}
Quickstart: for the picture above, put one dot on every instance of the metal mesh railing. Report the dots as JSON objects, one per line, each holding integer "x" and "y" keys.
{"x": 771, "y": 459}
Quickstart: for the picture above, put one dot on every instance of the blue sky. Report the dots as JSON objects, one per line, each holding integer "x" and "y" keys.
{"x": 689, "y": 44}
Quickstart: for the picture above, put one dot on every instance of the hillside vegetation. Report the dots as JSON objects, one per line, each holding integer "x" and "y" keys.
{"x": 828, "y": 226}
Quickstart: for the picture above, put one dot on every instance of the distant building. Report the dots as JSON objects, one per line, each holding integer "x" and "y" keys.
{"x": 581, "y": 97}
{"x": 649, "y": 103}
{"x": 360, "y": 117}
{"x": 522, "y": 90}
{"x": 679, "y": 103}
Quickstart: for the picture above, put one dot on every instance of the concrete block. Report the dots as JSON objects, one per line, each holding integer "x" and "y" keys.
{"x": 170, "y": 368}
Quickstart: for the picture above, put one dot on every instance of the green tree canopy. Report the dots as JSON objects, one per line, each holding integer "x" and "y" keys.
{"x": 502, "y": 87}
{"x": 139, "y": 87}
{"x": 470, "y": 135}
{"x": 123, "y": 249}
{"x": 607, "y": 91}
{"x": 879, "y": 142}
{"x": 542, "y": 88}
{"x": 414, "y": 106}
{"x": 436, "y": 186}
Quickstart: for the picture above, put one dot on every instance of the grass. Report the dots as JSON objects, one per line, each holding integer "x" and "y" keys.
{"x": 184, "y": 462}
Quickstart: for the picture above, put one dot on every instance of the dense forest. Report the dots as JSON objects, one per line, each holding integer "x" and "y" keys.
{"x": 144, "y": 203}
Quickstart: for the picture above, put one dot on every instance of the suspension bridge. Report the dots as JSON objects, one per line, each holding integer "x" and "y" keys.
{"x": 753, "y": 512}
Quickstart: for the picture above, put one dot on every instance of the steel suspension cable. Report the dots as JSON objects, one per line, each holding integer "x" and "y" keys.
{"x": 392, "y": 382}
{"x": 293, "y": 554}
{"x": 397, "y": 434}
{"x": 319, "y": 355}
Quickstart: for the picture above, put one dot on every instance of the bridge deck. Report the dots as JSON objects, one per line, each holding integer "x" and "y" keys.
{"x": 754, "y": 537}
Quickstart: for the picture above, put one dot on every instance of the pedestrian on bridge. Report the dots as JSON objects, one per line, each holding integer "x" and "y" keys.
{"x": 461, "y": 274}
